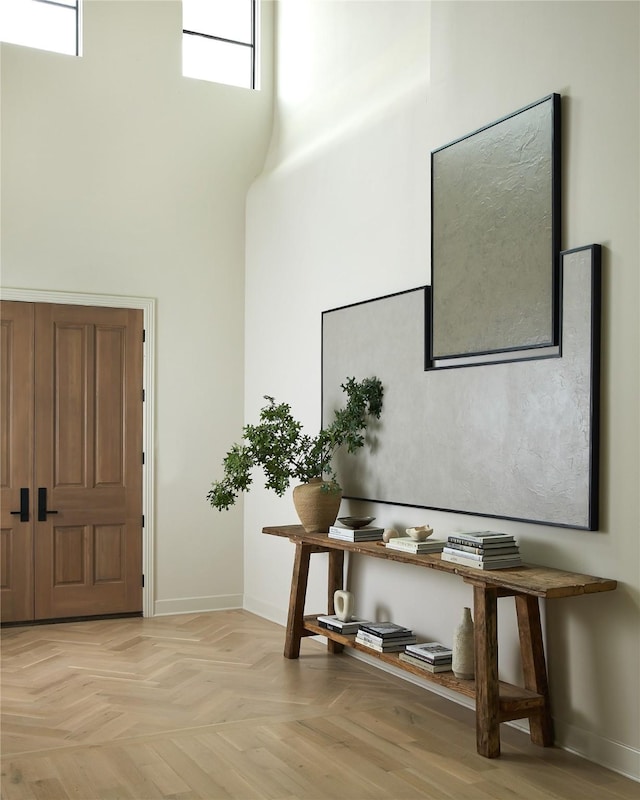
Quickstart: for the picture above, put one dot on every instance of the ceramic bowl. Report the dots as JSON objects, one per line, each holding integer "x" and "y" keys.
{"x": 355, "y": 522}
{"x": 420, "y": 533}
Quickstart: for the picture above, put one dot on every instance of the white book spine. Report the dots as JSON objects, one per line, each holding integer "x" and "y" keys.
{"x": 469, "y": 562}
{"x": 414, "y": 547}
{"x": 480, "y": 556}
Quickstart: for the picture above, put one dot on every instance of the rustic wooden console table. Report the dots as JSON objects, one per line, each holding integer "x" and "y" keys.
{"x": 496, "y": 701}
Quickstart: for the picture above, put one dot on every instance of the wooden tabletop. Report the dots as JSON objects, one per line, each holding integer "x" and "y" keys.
{"x": 526, "y": 579}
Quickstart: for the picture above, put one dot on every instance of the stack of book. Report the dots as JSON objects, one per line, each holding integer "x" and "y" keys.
{"x": 367, "y": 534}
{"x": 482, "y": 550}
{"x": 406, "y": 544}
{"x": 332, "y": 623}
{"x": 384, "y": 637}
{"x": 429, "y": 656}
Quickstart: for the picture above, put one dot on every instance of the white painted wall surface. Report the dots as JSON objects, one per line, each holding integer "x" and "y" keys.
{"x": 121, "y": 177}
{"x": 341, "y": 213}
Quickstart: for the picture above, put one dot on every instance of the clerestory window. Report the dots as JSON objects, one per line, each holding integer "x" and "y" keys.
{"x": 45, "y": 24}
{"x": 219, "y": 41}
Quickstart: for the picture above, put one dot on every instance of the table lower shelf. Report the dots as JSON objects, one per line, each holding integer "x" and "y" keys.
{"x": 514, "y": 701}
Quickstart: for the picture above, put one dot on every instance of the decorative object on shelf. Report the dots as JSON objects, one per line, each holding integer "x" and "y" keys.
{"x": 316, "y": 507}
{"x": 463, "y": 648}
{"x": 420, "y": 533}
{"x": 388, "y": 534}
{"x": 344, "y": 604}
{"x": 355, "y": 522}
{"x": 278, "y": 445}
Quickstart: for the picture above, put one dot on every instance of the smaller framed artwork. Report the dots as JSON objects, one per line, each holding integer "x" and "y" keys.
{"x": 495, "y": 238}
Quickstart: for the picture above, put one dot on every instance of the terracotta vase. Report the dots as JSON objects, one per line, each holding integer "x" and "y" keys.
{"x": 317, "y": 509}
{"x": 463, "y": 648}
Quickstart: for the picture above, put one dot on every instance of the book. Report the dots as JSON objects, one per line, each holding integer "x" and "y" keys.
{"x": 341, "y": 529}
{"x": 489, "y": 549}
{"x": 486, "y": 557}
{"x": 356, "y": 531}
{"x": 356, "y": 539}
{"x": 480, "y": 538}
{"x": 431, "y": 651}
{"x": 378, "y": 641}
{"x": 385, "y": 629}
{"x": 425, "y": 665}
{"x": 469, "y": 562}
{"x": 409, "y": 545}
{"x": 367, "y": 534}
{"x": 379, "y": 648}
{"x": 332, "y": 623}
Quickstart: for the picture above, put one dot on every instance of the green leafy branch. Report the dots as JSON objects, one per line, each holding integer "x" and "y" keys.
{"x": 278, "y": 445}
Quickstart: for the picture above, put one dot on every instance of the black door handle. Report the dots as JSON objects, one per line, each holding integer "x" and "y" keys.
{"x": 24, "y": 505}
{"x": 42, "y": 505}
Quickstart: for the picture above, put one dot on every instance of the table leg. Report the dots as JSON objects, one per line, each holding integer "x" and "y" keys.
{"x": 335, "y": 581}
{"x": 534, "y": 666}
{"x": 295, "y": 619}
{"x": 485, "y": 599}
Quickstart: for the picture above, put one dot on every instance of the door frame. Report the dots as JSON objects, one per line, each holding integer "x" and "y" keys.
{"x": 148, "y": 307}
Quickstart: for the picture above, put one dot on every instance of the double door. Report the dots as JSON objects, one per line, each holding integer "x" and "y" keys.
{"x": 71, "y": 461}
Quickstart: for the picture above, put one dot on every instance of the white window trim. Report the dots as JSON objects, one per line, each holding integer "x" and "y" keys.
{"x": 78, "y": 9}
{"x": 254, "y": 45}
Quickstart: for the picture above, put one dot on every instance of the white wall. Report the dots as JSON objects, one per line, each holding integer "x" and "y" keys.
{"x": 121, "y": 177}
{"x": 341, "y": 213}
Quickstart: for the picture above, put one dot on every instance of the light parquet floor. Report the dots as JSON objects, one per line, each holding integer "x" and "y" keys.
{"x": 205, "y": 706}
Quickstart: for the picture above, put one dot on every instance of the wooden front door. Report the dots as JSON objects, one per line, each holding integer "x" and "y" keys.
{"x": 71, "y": 441}
{"x": 16, "y": 460}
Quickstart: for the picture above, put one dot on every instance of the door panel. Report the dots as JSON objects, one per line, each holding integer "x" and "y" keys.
{"x": 89, "y": 446}
{"x": 110, "y": 376}
{"x": 66, "y": 409}
{"x": 71, "y": 429}
{"x": 16, "y": 459}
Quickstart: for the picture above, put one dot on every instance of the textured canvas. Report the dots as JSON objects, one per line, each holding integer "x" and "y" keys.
{"x": 516, "y": 440}
{"x": 495, "y": 235}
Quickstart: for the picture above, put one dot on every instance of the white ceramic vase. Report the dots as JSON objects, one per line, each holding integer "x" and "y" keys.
{"x": 344, "y": 604}
{"x": 463, "y": 648}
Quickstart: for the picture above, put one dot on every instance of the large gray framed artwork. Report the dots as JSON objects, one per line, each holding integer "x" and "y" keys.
{"x": 491, "y": 374}
{"x": 495, "y": 234}
{"x": 515, "y": 440}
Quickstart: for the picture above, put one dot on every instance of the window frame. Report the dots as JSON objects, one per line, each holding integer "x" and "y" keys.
{"x": 252, "y": 45}
{"x": 23, "y": 26}
{"x": 72, "y": 5}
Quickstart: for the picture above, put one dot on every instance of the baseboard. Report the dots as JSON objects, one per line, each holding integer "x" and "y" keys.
{"x": 607, "y": 753}
{"x": 265, "y": 610}
{"x": 195, "y": 605}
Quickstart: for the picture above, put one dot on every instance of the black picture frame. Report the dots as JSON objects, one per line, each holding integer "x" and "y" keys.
{"x": 495, "y": 237}
{"x": 514, "y": 440}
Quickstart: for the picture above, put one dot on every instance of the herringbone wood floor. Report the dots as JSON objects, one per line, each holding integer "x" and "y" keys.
{"x": 205, "y": 706}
